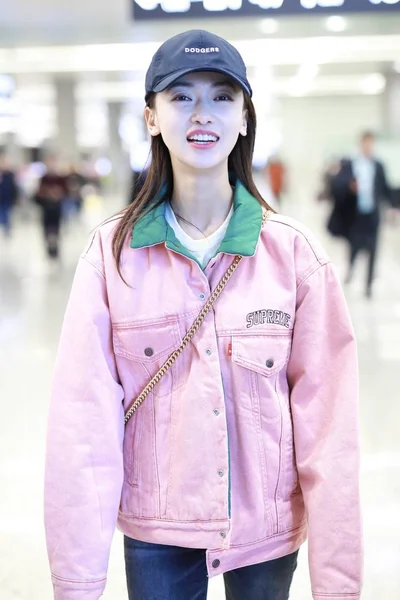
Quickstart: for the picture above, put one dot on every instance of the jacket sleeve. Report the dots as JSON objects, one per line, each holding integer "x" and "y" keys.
{"x": 84, "y": 464}
{"x": 323, "y": 380}
{"x": 384, "y": 188}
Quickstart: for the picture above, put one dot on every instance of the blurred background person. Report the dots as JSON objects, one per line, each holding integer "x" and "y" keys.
{"x": 276, "y": 175}
{"x": 72, "y": 204}
{"x": 90, "y": 174}
{"x": 330, "y": 169}
{"x": 51, "y": 193}
{"x": 358, "y": 190}
{"x": 8, "y": 193}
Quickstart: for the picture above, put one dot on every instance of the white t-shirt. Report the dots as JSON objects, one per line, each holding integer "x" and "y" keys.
{"x": 203, "y": 250}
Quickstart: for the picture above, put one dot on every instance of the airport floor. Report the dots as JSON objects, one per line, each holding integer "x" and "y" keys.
{"x": 33, "y": 296}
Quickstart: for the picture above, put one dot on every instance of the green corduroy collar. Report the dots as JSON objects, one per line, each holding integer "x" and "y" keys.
{"x": 241, "y": 236}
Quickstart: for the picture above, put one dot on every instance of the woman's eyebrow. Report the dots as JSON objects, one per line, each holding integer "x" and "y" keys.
{"x": 180, "y": 83}
{"x": 226, "y": 83}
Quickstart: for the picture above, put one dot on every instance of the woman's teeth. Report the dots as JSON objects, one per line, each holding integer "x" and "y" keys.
{"x": 203, "y": 138}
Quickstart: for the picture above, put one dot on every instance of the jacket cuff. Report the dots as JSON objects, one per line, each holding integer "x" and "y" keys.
{"x": 65, "y": 589}
{"x": 337, "y": 596}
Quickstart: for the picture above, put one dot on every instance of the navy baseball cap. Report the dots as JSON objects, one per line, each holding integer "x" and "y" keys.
{"x": 195, "y": 50}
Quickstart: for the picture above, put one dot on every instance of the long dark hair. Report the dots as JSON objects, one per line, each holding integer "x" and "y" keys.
{"x": 160, "y": 177}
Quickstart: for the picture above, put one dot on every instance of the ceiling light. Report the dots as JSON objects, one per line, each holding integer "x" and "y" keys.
{"x": 336, "y": 24}
{"x": 269, "y": 26}
{"x": 373, "y": 84}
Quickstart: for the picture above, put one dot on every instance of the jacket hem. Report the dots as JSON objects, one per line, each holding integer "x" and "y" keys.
{"x": 207, "y": 535}
{"x": 186, "y": 534}
{"x": 261, "y": 551}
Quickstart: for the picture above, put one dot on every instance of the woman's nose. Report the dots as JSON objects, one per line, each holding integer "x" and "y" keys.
{"x": 201, "y": 115}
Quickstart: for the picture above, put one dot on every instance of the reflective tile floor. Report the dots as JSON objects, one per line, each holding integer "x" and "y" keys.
{"x": 32, "y": 300}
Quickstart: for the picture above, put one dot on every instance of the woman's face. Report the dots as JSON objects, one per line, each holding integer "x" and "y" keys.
{"x": 200, "y": 118}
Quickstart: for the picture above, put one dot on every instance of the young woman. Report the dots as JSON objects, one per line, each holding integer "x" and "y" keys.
{"x": 247, "y": 442}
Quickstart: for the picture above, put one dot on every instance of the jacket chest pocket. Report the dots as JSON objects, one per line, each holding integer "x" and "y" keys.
{"x": 143, "y": 348}
{"x": 263, "y": 358}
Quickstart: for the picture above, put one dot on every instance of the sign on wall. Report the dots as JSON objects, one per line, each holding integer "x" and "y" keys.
{"x": 172, "y": 9}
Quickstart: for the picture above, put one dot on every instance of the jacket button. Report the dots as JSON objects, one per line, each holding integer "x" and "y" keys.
{"x": 221, "y": 473}
{"x": 223, "y": 534}
{"x": 202, "y": 296}
{"x": 208, "y": 352}
{"x": 216, "y": 564}
{"x": 149, "y": 352}
{"x": 216, "y": 412}
{"x": 270, "y": 363}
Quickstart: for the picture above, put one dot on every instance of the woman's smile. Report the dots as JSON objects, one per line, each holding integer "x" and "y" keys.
{"x": 202, "y": 139}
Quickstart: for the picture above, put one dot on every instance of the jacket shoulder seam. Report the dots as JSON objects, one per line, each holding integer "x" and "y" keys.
{"x": 311, "y": 271}
{"x": 85, "y": 257}
{"x": 320, "y": 261}
{"x": 84, "y": 253}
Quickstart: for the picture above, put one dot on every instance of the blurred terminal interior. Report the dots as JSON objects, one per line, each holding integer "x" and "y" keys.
{"x": 71, "y": 103}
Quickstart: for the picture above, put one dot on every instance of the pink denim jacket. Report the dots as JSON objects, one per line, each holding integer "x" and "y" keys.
{"x": 247, "y": 446}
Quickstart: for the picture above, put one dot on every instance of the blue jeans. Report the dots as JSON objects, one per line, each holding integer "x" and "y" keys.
{"x": 158, "y": 572}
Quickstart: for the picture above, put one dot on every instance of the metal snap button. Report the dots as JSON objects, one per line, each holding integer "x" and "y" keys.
{"x": 223, "y": 534}
{"x": 202, "y": 296}
{"x": 270, "y": 363}
{"x": 149, "y": 352}
{"x": 208, "y": 352}
{"x": 216, "y": 563}
{"x": 221, "y": 473}
{"x": 216, "y": 412}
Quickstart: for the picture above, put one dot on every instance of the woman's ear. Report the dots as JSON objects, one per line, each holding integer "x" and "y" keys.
{"x": 243, "y": 128}
{"x": 150, "y": 116}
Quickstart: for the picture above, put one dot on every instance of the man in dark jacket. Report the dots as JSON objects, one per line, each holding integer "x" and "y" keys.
{"x": 8, "y": 193}
{"x": 358, "y": 189}
{"x": 52, "y": 191}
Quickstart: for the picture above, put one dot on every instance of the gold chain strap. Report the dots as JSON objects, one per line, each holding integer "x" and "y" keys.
{"x": 189, "y": 335}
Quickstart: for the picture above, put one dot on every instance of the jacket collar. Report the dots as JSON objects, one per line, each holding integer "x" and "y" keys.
{"x": 241, "y": 236}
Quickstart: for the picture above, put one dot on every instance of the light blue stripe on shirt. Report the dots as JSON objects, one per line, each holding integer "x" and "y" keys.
{"x": 364, "y": 170}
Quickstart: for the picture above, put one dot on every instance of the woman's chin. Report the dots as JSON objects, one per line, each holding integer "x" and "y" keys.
{"x": 203, "y": 163}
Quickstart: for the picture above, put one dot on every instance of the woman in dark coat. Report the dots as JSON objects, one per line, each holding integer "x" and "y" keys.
{"x": 8, "y": 194}
{"x": 52, "y": 191}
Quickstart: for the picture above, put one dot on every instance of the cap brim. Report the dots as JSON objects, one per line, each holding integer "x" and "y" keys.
{"x": 166, "y": 82}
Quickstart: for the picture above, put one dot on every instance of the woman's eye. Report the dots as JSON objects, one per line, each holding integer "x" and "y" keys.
{"x": 223, "y": 98}
{"x": 181, "y": 98}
